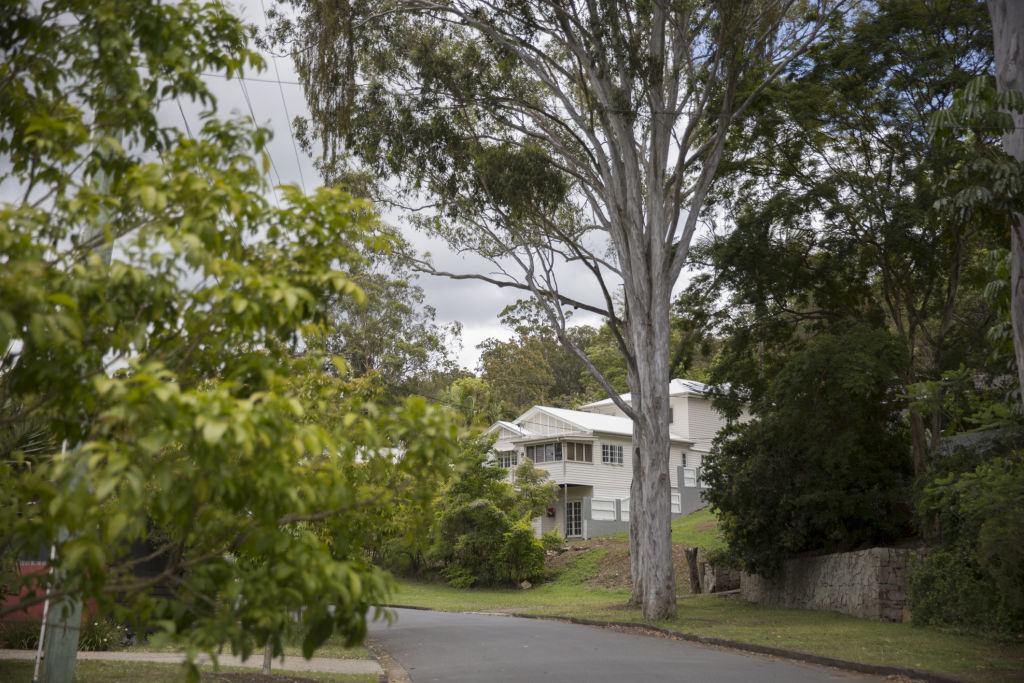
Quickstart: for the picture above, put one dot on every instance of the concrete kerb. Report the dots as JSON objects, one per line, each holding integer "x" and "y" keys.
{"x": 821, "y": 660}
{"x": 393, "y": 671}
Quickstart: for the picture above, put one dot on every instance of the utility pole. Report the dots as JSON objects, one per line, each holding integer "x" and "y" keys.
{"x": 64, "y": 619}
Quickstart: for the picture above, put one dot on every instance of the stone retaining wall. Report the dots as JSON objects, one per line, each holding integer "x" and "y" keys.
{"x": 718, "y": 579}
{"x": 871, "y": 584}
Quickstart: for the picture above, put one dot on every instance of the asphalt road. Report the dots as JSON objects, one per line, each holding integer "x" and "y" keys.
{"x": 481, "y": 648}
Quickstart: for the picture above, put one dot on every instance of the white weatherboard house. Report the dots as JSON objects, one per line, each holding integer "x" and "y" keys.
{"x": 586, "y": 452}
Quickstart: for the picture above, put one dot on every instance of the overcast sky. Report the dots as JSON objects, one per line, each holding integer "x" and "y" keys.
{"x": 276, "y": 98}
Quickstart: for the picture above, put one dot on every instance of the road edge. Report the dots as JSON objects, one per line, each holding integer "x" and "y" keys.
{"x": 394, "y": 672}
{"x": 649, "y": 629}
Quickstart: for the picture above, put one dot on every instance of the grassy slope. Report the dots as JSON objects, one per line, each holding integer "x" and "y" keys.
{"x": 824, "y": 633}
{"x": 696, "y": 529}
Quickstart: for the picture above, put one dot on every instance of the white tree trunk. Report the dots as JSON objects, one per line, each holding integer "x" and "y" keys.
{"x": 1008, "y": 37}
{"x": 654, "y": 573}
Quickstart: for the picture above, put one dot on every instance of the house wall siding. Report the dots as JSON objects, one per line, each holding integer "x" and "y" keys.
{"x": 680, "y": 415}
{"x": 608, "y": 481}
{"x": 704, "y": 423}
{"x": 675, "y": 461}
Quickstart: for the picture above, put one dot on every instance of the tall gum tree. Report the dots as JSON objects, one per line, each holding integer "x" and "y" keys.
{"x": 543, "y": 133}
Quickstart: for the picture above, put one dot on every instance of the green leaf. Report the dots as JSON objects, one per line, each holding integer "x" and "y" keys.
{"x": 115, "y": 525}
{"x": 148, "y": 196}
{"x": 213, "y": 431}
{"x": 317, "y": 634}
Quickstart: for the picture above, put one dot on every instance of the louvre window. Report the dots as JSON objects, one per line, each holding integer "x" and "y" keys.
{"x": 545, "y": 452}
{"x": 554, "y": 452}
{"x": 579, "y": 452}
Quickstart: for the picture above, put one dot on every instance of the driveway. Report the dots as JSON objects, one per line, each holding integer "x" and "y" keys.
{"x": 452, "y": 647}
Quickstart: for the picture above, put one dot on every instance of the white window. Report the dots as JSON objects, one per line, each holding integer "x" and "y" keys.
{"x": 574, "y": 518}
{"x": 611, "y": 455}
{"x": 690, "y": 477}
{"x": 507, "y": 459}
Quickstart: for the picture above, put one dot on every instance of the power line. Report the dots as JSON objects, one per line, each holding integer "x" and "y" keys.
{"x": 188, "y": 129}
{"x": 252, "y": 115}
{"x": 284, "y": 103}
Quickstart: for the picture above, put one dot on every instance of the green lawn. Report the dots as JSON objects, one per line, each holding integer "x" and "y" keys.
{"x": 334, "y": 647}
{"x": 824, "y": 633}
{"x": 442, "y": 597}
{"x": 95, "y": 671}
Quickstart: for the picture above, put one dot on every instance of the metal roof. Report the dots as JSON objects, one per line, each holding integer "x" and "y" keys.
{"x": 677, "y": 387}
{"x": 590, "y": 423}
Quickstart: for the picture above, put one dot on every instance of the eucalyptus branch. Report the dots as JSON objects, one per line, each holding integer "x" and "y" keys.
{"x": 425, "y": 267}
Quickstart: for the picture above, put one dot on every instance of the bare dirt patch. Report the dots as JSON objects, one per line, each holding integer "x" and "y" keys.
{"x": 611, "y": 571}
{"x": 707, "y": 526}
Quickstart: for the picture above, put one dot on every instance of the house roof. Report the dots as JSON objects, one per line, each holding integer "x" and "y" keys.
{"x": 512, "y": 427}
{"x": 677, "y": 387}
{"x": 590, "y": 423}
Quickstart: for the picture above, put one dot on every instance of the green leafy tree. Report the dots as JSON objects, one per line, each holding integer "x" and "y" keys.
{"x": 823, "y": 236}
{"x": 476, "y": 400}
{"x": 533, "y": 368}
{"x": 482, "y": 533}
{"x": 1008, "y": 42}
{"x": 822, "y": 467}
{"x": 986, "y": 186}
{"x": 391, "y": 333}
{"x": 149, "y": 296}
{"x": 540, "y": 133}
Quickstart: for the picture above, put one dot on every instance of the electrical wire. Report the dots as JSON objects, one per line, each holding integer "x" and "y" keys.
{"x": 252, "y": 115}
{"x": 284, "y": 103}
{"x": 188, "y": 129}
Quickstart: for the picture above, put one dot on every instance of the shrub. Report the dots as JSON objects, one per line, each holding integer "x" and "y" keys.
{"x": 96, "y": 635}
{"x": 824, "y": 465}
{"x": 521, "y": 556}
{"x": 481, "y": 530}
{"x": 20, "y": 634}
{"x": 974, "y": 578}
{"x": 552, "y": 540}
{"x": 99, "y": 635}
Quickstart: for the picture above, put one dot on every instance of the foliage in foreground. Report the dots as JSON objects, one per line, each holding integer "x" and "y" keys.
{"x": 151, "y": 304}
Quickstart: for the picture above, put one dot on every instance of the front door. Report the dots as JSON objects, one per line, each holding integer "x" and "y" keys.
{"x": 574, "y": 518}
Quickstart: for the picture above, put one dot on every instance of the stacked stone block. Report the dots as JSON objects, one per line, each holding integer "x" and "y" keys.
{"x": 870, "y": 584}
